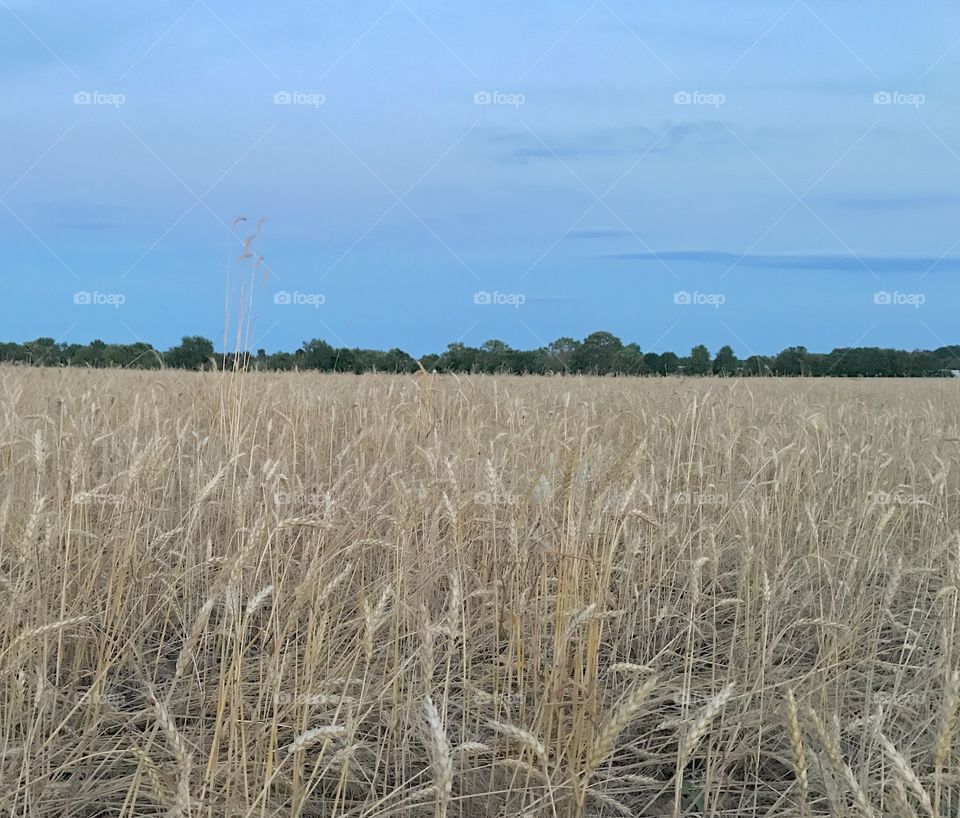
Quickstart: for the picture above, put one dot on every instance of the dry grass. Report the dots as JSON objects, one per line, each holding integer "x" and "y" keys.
{"x": 336, "y": 596}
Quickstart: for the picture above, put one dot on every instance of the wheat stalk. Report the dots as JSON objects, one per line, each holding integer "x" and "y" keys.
{"x": 799, "y": 753}
{"x": 315, "y": 735}
{"x": 835, "y": 759}
{"x": 702, "y": 722}
{"x": 258, "y": 600}
{"x": 524, "y": 737}
{"x": 439, "y": 748}
{"x": 183, "y": 755}
{"x": 944, "y": 740}
{"x": 615, "y": 724}
{"x": 906, "y": 775}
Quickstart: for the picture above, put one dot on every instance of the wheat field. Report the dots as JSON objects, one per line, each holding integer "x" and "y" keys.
{"x": 320, "y": 595}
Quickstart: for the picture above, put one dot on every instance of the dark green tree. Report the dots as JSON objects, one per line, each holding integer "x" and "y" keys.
{"x": 194, "y": 352}
{"x": 629, "y": 361}
{"x": 725, "y": 362}
{"x": 791, "y": 361}
{"x": 317, "y": 354}
{"x": 699, "y": 361}
{"x": 597, "y": 353}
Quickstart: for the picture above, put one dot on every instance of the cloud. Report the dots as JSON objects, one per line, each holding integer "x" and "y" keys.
{"x": 603, "y": 143}
{"x": 91, "y": 227}
{"x": 916, "y": 201}
{"x": 800, "y": 261}
{"x": 608, "y": 233}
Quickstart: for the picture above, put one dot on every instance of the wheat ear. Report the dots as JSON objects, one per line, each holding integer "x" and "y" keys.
{"x": 699, "y": 727}
{"x": 944, "y": 742}
{"x": 799, "y": 754}
{"x": 835, "y": 758}
{"x": 906, "y": 774}
{"x": 606, "y": 738}
{"x": 524, "y": 737}
{"x": 314, "y": 736}
{"x": 440, "y": 757}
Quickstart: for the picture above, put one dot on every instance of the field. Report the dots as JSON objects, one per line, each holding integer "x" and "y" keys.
{"x": 367, "y": 596}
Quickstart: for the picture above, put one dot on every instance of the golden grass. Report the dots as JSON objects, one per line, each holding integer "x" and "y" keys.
{"x": 258, "y": 595}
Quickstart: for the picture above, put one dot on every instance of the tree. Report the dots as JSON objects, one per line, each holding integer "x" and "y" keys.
{"x": 669, "y": 363}
{"x": 725, "y": 362}
{"x": 44, "y": 352}
{"x": 559, "y": 354}
{"x": 11, "y": 353}
{"x": 139, "y": 355}
{"x": 629, "y": 360}
{"x": 494, "y": 356}
{"x": 396, "y": 360}
{"x": 281, "y": 362}
{"x": 791, "y": 361}
{"x": 757, "y": 365}
{"x": 597, "y": 353}
{"x": 699, "y": 360}
{"x": 93, "y": 354}
{"x": 194, "y": 352}
{"x": 317, "y": 354}
{"x": 458, "y": 358}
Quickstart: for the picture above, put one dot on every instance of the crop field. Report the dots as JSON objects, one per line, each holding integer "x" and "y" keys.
{"x": 330, "y": 595}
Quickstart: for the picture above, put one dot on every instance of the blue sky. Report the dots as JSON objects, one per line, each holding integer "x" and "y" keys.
{"x": 753, "y": 173}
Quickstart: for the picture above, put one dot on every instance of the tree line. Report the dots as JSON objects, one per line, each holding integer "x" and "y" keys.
{"x": 600, "y": 353}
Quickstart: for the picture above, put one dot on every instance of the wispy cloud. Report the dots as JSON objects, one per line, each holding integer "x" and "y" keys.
{"x": 799, "y": 261}
{"x": 905, "y": 201}
{"x": 91, "y": 227}
{"x": 604, "y": 233}
{"x": 602, "y": 143}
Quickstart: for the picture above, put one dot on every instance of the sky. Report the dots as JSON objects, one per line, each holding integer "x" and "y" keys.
{"x": 759, "y": 173}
